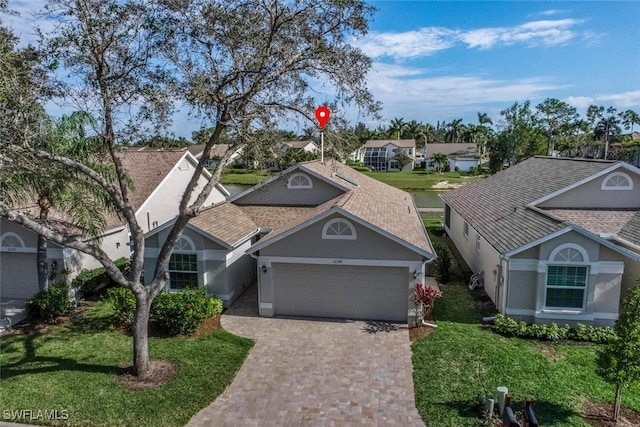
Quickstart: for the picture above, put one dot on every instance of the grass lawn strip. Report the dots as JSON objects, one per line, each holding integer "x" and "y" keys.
{"x": 71, "y": 367}
{"x": 460, "y": 362}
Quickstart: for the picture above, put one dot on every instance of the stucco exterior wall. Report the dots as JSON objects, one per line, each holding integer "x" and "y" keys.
{"x": 590, "y": 195}
{"x": 527, "y": 283}
{"x": 368, "y": 245}
{"x": 485, "y": 260}
{"x": 276, "y": 193}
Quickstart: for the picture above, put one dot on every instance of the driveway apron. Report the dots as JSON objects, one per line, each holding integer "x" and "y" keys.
{"x": 311, "y": 372}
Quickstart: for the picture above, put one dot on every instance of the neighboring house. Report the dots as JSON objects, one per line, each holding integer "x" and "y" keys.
{"x": 159, "y": 178}
{"x": 217, "y": 152}
{"x": 297, "y": 146}
{"x": 461, "y": 156}
{"x": 323, "y": 239}
{"x": 554, "y": 239}
{"x": 382, "y": 155}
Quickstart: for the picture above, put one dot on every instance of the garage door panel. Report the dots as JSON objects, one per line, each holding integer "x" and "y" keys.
{"x": 341, "y": 291}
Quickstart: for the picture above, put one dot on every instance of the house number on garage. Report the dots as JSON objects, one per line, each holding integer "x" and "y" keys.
{"x": 337, "y": 261}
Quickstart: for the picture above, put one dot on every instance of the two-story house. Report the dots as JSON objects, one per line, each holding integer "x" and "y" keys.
{"x": 390, "y": 155}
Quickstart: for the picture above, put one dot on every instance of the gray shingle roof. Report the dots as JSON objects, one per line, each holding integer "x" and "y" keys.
{"x": 497, "y": 206}
{"x": 226, "y": 222}
{"x": 384, "y": 207}
{"x": 402, "y": 143}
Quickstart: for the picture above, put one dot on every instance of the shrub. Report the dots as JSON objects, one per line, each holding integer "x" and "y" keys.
{"x": 50, "y": 303}
{"x": 442, "y": 264}
{"x": 361, "y": 168}
{"x": 88, "y": 280}
{"x": 123, "y": 302}
{"x": 181, "y": 313}
{"x": 510, "y": 327}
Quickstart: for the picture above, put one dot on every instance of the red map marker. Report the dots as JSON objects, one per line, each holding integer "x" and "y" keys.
{"x": 322, "y": 114}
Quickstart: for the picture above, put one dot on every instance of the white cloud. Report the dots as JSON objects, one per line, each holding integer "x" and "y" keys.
{"x": 430, "y": 40}
{"x": 579, "y": 101}
{"x": 623, "y": 100}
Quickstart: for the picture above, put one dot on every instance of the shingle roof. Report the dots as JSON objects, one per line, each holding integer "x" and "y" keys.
{"x": 274, "y": 217}
{"x": 599, "y": 221}
{"x": 497, "y": 206}
{"x": 402, "y": 143}
{"x": 226, "y": 222}
{"x": 384, "y": 207}
{"x": 631, "y": 230}
{"x": 146, "y": 169}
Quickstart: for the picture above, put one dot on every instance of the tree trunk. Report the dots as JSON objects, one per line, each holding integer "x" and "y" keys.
{"x": 41, "y": 253}
{"x": 616, "y": 406}
{"x": 141, "y": 335}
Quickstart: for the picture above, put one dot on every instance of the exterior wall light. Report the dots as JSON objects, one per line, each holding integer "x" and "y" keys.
{"x": 264, "y": 268}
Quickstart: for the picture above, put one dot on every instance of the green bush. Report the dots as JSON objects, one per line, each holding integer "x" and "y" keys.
{"x": 123, "y": 302}
{"x": 88, "y": 280}
{"x": 512, "y": 328}
{"x": 50, "y": 303}
{"x": 181, "y": 313}
{"x": 442, "y": 264}
{"x": 361, "y": 168}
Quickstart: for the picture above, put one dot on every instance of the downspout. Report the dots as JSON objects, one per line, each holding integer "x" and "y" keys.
{"x": 505, "y": 278}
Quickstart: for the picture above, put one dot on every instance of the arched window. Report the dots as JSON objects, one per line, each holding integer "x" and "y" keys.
{"x": 299, "y": 181}
{"x": 11, "y": 241}
{"x": 567, "y": 277}
{"x": 339, "y": 228}
{"x": 183, "y": 266}
{"x": 617, "y": 181}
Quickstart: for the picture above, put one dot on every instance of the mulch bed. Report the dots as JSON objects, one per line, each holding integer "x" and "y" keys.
{"x": 598, "y": 414}
{"x": 418, "y": 332}
{"x": 162, "y": 371}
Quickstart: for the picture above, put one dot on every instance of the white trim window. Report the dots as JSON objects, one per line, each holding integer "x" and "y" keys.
{"x": 478, "y": 243}
{"x": 465, "y": 229}
{"x": 183, "y": 266}
{"x": 11, "y": 241}
{"x": 299, "y": 181}
{"x": 617, "y": 181}
{"x": 339, "y": 229}
{"x": 567, "y": 278}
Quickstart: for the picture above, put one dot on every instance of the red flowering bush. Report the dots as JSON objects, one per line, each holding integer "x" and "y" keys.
{"x": 424, "y": 298}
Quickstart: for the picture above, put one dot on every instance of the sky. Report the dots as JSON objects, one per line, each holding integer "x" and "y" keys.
{"x": 444, "y": 60}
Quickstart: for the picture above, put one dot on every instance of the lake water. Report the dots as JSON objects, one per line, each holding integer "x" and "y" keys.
{"x": 423, "y": 199}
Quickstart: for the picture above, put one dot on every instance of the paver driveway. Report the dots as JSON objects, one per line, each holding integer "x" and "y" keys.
{"x": 304, "y": 372}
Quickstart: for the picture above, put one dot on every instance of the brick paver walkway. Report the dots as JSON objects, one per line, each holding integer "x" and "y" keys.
{"x": 304, "y": 372}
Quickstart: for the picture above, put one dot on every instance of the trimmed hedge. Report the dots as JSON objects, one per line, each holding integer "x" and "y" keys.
{"x": 512, "y": 328}
{"x": 50, "y": 303}
{"x": 88, "y": 280}
{"x": 179, "y": 313}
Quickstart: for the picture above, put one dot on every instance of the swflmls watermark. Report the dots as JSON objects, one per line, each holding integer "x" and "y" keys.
{"x": 35, "y": 415}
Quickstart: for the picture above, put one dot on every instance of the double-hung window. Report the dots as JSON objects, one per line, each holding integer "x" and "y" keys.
{"x": 566, "y": 286}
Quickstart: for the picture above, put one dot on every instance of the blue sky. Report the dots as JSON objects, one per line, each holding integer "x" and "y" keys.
{"x": 443, "y": 60}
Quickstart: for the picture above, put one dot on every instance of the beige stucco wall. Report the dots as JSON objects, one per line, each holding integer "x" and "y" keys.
{"x": 162, "y": 204}
{"x": 589, "y": 195}
{"x": 277, "y": 193}
{"x": 487, "y": 260}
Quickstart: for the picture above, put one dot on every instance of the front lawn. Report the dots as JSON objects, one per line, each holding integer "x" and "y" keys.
{"x": 461, "y": 362}
{"x": 422, "y": 180}
{"x": 72, "y": 367}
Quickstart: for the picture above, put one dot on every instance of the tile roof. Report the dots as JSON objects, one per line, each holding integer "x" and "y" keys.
{"x": 226, "y": 222}
{"x": 497, "y": 206}
{"x": 384, "y": 207}
{"x": 402, "y": 143}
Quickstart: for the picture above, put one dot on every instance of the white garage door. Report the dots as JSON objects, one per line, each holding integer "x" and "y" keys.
{"x": 342, "y": 291}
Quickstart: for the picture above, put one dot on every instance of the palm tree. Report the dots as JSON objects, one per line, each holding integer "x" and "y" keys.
{"x": 79, "y": 203}
{"x": 455, "y": 130}
{"x": 441, "y": 161}
{"x": 605, "y": 124}
{"x": 398, "y": 126}
{"x": 629, "y": 118}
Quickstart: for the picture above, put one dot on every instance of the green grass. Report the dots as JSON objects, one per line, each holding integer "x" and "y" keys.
{"x": 460, "y": 362}
{"x": 71, "y": 367}
{"x": 414, "y": 180}
{"x": 420, "y": 180}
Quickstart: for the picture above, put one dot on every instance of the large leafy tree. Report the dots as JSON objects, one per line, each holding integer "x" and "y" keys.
{"x": 619, "y": 361}
{"x": 556, "y": 119}
{"x": 237, "y": 64}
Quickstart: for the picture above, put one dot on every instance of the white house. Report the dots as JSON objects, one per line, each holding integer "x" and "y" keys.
{"x": 382, "y": 155}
